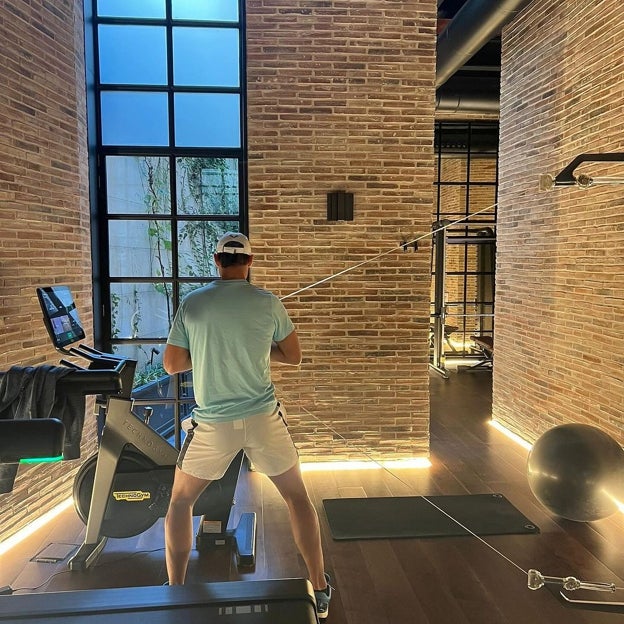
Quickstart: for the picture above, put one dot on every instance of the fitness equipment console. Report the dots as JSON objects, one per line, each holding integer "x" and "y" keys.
{"x": 123, "y": 489}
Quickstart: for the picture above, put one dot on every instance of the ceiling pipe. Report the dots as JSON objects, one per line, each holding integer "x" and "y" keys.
{"x": 473, "y": 26}
{"x": 451, "y": 103}
{"x": 466, "y": 93}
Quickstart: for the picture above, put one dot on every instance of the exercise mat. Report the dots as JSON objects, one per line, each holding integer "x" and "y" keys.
{"x": 413, "y": 516}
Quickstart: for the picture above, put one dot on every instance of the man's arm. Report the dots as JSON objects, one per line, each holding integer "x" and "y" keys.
{"x": 287, "y": 351}
{"x": 176, "y": 359}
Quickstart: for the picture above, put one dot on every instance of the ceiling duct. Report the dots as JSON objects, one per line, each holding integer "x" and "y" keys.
{"x": 473, "y": 26}
{"x": 475, "y": 93}
{"x": 454, "y": 102}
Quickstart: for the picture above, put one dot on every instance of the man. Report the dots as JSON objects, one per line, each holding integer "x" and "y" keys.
{"x": 228, "y": 332}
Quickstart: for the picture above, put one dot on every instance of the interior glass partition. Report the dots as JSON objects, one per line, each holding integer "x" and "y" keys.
{"x": 466, "y": 181}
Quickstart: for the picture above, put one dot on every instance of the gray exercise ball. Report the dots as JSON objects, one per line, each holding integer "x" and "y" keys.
{"x": 577, "y": 472}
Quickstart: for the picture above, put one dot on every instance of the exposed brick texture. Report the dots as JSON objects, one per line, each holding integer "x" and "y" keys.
{"x": 341, "y": 96}
{"x": 560, "y": 274}
{"x": 44, "y": 212}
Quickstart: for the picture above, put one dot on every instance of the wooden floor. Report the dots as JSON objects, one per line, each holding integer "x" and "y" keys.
{"x": 456, "y": 580}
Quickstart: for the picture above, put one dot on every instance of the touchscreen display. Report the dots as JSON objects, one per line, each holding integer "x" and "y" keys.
{"x": 60, "y": 315}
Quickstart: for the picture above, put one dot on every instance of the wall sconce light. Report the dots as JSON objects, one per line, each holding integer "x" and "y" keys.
{"x": 339, "y": 206}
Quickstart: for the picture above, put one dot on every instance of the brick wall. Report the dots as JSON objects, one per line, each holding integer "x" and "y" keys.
{"x": 560, "y": 273}
{"x": 341, "y": 96}
{"x": 44, "y": 212}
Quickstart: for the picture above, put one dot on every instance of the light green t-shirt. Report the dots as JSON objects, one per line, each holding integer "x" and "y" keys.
{"x": 228, "y": 327}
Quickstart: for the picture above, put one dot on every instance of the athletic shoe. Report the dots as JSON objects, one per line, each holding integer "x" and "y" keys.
{"x": 323, "y": 596}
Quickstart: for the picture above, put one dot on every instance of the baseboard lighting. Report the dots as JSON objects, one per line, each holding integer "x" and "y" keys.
{"x": 29, "y": 529}
{"x": 511, "y": 435}
{"x": 414, "y": 462}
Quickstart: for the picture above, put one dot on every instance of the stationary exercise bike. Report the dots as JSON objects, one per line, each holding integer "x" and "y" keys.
{"x": 125, "y": 488}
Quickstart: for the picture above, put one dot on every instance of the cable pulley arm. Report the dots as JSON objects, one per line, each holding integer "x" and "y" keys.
{"x": 566, "y": 176}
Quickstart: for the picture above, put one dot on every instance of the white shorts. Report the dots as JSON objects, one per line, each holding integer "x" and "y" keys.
{"x": 209, "y": 448}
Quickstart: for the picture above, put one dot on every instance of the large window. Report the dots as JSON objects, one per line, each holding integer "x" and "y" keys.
{"x": 169, "y": 117}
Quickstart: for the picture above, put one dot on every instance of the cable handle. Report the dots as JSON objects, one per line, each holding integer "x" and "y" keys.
{"x": 537, "y": 580}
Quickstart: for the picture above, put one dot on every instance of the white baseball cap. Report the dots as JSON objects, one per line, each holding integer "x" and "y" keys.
{"x": 234, "y": 243}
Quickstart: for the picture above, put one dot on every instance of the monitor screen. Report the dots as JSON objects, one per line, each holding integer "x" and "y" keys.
{"x": 60, "y": 315}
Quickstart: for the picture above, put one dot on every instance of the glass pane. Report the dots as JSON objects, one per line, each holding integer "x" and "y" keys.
{"x": 197, "y": 243}
{"x": 131, "y": 8}
{"x": 162, "y": 416}
{"x": 452, "y": 201}
{"x": 140, "y": 248}
{"x": 207, "y": 119}
{"x": 186, "y": 386}
{"x": 141, "y": 310}
{"x": 483, "y": 170}
{"x": 484, "y": 139}
{"x": 133, "y": 54}
{"x": 186, "y": 287}
{"x": 207, "y": 186}
{"x": 482, "y": 197}
{"x": 453, "y": 138}
{"x": 215, "y": 10}
{"x": 206, "y": 57}
{"x": 186, "y": 410}
{"x": 453, "y": 169}
{"x": 134, "y": 118}
{"x": 454, "y": 292}
{"x": 137, "y": 185}
{"x": 472, "y": 305}
{"x": 150, "y": 378}
{"x": 455, "y": 262}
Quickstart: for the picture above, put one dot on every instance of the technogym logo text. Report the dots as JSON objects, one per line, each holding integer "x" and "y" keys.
{"x": 132, "y": 496}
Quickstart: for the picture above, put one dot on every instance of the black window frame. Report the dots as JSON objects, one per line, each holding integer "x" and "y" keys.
{"x": 469, "y": 140}
{"x": 98, "y": 154}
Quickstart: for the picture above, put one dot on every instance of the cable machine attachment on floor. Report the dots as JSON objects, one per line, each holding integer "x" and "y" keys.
{"x": 536, "y": 580}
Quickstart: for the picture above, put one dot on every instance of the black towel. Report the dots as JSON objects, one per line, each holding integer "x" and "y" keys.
{"x": 31, "y": 392}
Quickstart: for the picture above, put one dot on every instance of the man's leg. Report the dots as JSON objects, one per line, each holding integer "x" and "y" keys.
{"x": 304, "y": 523}
{"x": 179, "y": 524}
